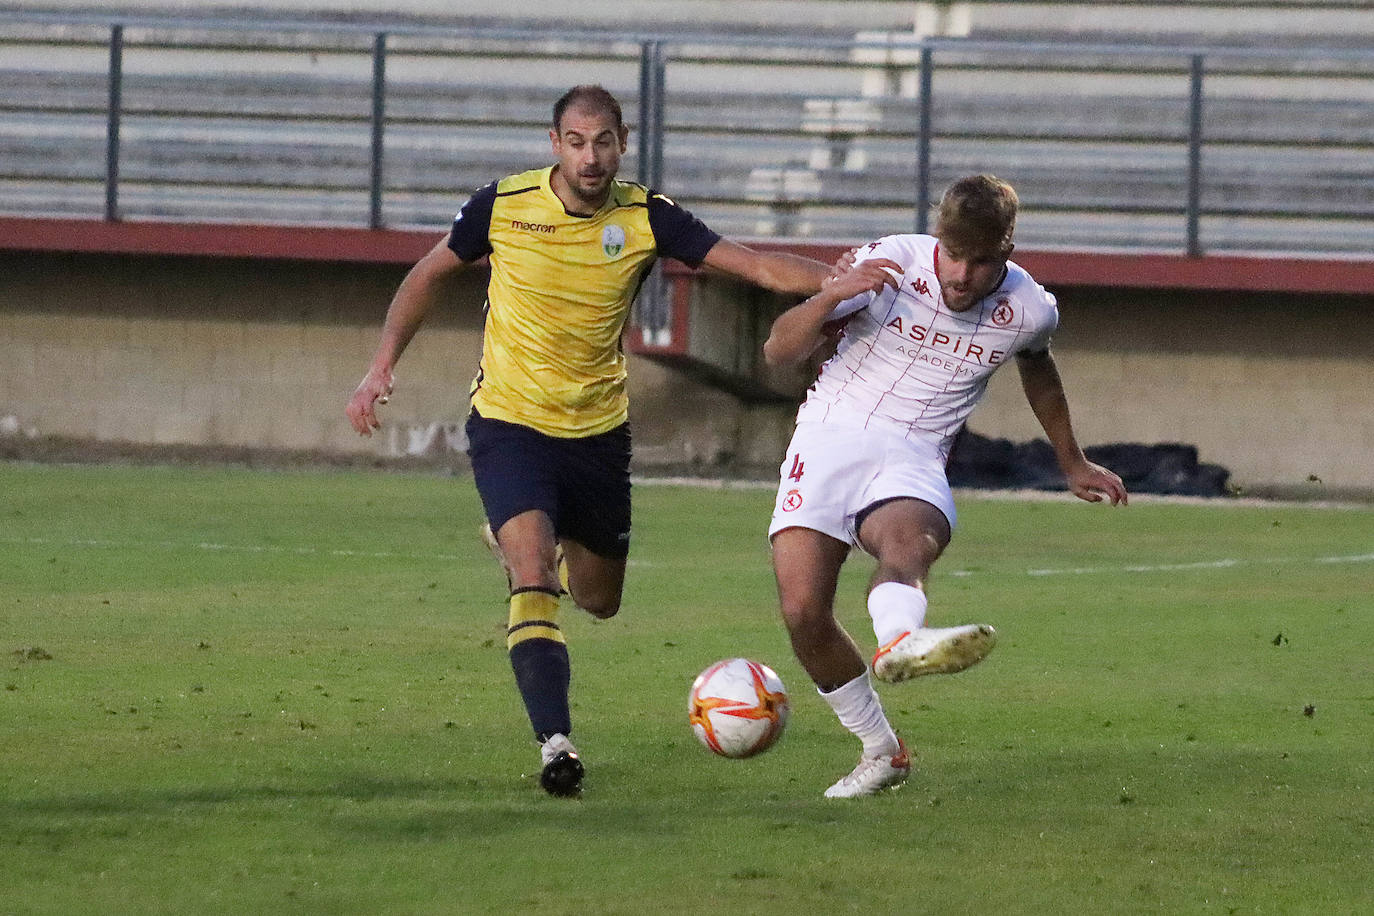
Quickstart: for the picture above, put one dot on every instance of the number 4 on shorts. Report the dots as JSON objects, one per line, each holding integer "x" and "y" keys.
{"x": 797, "y": 466}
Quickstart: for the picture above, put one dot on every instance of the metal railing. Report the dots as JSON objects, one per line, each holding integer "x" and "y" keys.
{"x": 684, "y": 135}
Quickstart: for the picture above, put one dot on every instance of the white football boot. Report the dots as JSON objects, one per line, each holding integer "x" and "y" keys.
{"x": 873, "y": 775}
{"x": 933, "y": 650}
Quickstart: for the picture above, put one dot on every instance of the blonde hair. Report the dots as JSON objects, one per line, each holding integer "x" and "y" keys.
{"x": 977, "y": 217}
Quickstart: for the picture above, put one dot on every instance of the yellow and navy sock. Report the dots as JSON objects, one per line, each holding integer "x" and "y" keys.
{"x": 539, "y": 657}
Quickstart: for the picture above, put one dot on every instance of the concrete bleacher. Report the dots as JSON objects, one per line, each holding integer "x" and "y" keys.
{"x": 1309, "y": 21}
{"x": 274, "y": 126}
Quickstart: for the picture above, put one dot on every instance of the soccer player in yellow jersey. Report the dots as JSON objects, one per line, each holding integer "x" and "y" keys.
{"x": 548, "y": 430}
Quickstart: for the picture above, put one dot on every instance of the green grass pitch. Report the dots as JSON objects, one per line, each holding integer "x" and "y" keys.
{"x": 229, "y": 691}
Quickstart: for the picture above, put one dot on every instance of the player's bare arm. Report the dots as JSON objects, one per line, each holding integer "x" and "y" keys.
{"x": 426, "y": 283}
{"x": 797, "y": 332}
{"x": 776, "y": 270}
{"x": 1045, "y": 393}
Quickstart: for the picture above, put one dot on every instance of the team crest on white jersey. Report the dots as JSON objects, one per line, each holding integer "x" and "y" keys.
{"x": 613, "y": 241}
{"x": 1003, "y": 314}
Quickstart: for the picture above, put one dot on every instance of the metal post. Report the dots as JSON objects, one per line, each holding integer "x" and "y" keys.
{"x": 646, "y": 102}
{"x": 923, "y": 142}
{"x": 378, "y": 129}
{"x": 112, "y": 123}
{"x": 652, "y": 305}
{"x": 651, "y": 94}
{"x": 660, "y": 98}
{"x": 1194, "y": 155}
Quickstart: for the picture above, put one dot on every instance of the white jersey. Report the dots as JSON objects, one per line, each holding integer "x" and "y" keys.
{"x": 908, "y": 365}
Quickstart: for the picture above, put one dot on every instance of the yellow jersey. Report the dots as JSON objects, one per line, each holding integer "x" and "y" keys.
{"x": 559, "y": 295}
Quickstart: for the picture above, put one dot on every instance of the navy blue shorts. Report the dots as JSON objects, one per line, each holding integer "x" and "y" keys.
{"x": 583, "y": 485}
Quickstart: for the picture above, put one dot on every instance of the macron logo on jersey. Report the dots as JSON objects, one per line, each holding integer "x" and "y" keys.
{"x": 544, "y": 228}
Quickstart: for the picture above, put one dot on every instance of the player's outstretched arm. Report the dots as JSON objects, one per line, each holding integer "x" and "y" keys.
{"x": 1045, "y": 393}
{"x": 797, "y": 332}
{"x": 426, "y": 283}
{"x": 776, "y": 270}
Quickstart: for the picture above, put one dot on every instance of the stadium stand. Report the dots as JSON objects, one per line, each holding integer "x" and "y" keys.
{"x": 776, "y": 135}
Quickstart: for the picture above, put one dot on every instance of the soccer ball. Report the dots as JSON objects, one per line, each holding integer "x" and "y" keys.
{"x": 738, "y": 707}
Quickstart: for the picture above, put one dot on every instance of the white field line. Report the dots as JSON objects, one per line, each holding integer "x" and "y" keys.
{"x": 263, "y": 549}
{"x": 1184, "y": 567}
{"x": 212, "y": 547}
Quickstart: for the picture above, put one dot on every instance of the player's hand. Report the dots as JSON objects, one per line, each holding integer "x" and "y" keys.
{"x": 866, "y": 276}
{"x": 1094, "y": 483}
{"x": 374, "y": 389}
{"x": 843, "y": 265}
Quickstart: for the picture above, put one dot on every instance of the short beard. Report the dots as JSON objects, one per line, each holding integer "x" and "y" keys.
{"x": 591, "y": 196}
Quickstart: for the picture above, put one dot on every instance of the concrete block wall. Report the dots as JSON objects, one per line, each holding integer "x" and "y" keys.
{"x": 166, "y": 351}
{"x": 239, "y": 352}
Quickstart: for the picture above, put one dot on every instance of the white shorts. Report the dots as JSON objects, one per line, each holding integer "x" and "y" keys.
{"x": 831, "y": 474}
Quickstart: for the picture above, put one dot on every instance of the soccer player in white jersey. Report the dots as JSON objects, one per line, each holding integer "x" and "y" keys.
{"x": 923, "y": 322}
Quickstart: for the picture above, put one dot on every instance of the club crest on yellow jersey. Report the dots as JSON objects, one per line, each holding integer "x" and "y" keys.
{"x": 613, "y": 241}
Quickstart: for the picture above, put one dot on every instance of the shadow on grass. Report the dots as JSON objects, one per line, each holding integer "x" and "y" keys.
{"x": 616, "y": 803}
{"x": 1017, "y": 784}
{"x": 429, "y": 808}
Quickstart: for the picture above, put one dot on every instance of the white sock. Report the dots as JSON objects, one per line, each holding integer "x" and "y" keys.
{"x": 860, "y": 711}
{"x": 895, "y": 609}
